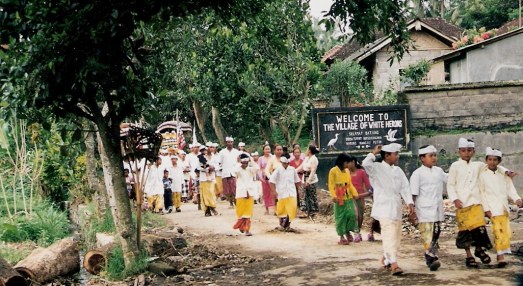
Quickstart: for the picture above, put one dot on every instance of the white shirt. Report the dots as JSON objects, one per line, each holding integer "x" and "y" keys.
{"x": 205, "y": 174}
{"x": 285, "y": 181}
{"x": 310, "y": 164}
{"x": 229, "y": 161}
{"x": 176, "y": 174}
{"x": 193, "y": 162}
{"x": 427, "y": 185}
{"x": 463, "y": 182}
{"x": 154, "y": 183}
{"x": 390, "y": 186}
{"x": 246, "y": 184}
{"x": 496, "y": 189}
{"x": 215, "y": 159}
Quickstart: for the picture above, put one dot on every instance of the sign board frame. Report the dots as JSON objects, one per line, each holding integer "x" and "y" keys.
{"x": 346, "y": 120}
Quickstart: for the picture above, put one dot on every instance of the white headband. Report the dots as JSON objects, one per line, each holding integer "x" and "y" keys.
{"x": 465, "y": 143}
{"x": 255, "y": 154}
{"x": 241, "y": 144}
{"x": 209, "y": 144}
{"x": 391, "y": 148}
{"x": 284, "y": 159}
{"x": 427, "y": 150}
{"x": 229, "y": 139}
{"x": 245, "y": 159}
{"x": 493, "y": 152}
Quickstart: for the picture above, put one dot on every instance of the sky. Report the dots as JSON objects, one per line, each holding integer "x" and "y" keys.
{"x": 317, "y": 6}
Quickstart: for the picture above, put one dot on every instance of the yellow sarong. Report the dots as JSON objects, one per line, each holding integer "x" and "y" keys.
{"x": 177, "y": 199}
{"x": 287, "y": 207}
{"x": 244, "y": 207}
{"x": 207, "y": 196}
{"x": 155, "y": 202}
{"x": 218, "y": 187}
{"x": 470, "y": 218}
{"x": 502, "y": 232}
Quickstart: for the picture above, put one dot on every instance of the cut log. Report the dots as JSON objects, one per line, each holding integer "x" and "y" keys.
{"x": 45, "y": 264}
{"x": 95, "y": 260}
{"x": 9, "y": 276}
{"x": 104, "y": 240}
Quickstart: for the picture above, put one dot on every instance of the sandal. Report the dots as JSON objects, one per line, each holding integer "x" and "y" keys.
{"x": 502, "y": 264}
{"x": 343, "y": 242}
{"x": 397, "y": 271}
{"x": 485, "y": 259}
{"x": 471, "y": 262}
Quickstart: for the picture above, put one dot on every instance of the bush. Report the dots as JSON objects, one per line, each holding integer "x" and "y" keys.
{"x": 415, "y": 73}
{"x": 44, "y": 226}
{"x": 348, "y": 81}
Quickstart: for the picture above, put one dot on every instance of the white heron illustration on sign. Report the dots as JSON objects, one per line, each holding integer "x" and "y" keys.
{"x": 333, "y": 141}
{"x": 391, "y": 134}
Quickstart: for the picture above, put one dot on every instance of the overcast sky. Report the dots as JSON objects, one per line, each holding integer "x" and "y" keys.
{"x": 317, "y": 6}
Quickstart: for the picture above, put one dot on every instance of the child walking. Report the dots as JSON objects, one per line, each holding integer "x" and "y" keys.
{"x": 463, "y": 190}
{"x": 497, "y": 189}
{"x": 343, "y": 194}
{"x": 284, "y": 185}
{"x": 426, "y": 185}
{"x": 246, "y": 187}
{"x": 390, "y": 185}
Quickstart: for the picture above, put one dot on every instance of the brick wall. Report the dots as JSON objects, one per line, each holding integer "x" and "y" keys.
{"x": 481, "y": 106}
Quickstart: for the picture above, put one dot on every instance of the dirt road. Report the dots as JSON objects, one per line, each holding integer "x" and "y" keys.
{"x": 312, "y": 256}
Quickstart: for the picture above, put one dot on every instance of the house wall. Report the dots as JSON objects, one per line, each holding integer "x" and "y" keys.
{"x": 501, "y": 60}
{"x": 425, "y": 47}
{"x": 436, "y": 74}
{"x": 476, "y": 106}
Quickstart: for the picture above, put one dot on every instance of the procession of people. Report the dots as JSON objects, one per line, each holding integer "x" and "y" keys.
{"x": 285, "y": 184}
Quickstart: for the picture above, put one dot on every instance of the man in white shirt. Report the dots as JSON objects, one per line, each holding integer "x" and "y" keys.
{"x": 284, "y": 184}
{"x": 390, "y": 186}
{"x": 176, "y": 175}
{"x": 246, "y": 188}
{"x": 184, "y": 164}
{"x": 228, "y": 159}
{"x": 192, "y": 159}
{"x": 154, "y": 187}
{"x": 426, "y": 185}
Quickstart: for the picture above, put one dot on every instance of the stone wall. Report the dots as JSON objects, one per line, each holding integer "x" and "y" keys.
{"x": 479, "y": 106}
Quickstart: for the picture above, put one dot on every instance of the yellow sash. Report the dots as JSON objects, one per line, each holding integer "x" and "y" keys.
{"x": 470, "y": 217}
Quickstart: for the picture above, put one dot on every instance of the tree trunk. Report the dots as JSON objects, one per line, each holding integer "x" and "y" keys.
{"x": 45, "y": 264}
{"x": 201, "y": 118}
{"x": 218, "y": 126}
{"x": 116, "y": 190}
{"x": 303, "y": 113}
{"x": 9, "y": 276}
{"x": 93, "y": 180}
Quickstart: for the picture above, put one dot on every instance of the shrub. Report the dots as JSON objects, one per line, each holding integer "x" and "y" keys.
{"x": 116, "y": 269}
{"x": 415, "y": 73}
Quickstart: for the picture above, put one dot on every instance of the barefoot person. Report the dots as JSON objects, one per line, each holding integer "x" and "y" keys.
{"x": 390, "y": 185}
{"x": 463, "y": 190}
{"x": 426, "y": 185}
{"x": 496, "y": 190}
{"x": 284, "y": 185}
{"x": 343, "y": 195}
{"x": 207, "y": 180}
{"x": 246, "y": 186}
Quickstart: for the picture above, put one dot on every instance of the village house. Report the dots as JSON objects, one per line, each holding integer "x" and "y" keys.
{"x": 431, "y": 37}
{"x": 496, "y": 59}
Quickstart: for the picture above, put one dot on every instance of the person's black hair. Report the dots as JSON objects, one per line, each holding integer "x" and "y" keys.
{"x": 165, "y": 171}
{"x": 286, "y": 155}
{"x": 422, "y": 147}
{"x": 285, "y": 149}
{"x": 499, "y": 158}
{"x": 356, "y": 163}
{"x": 126, "y": 170}
{"x": 243, "y": 156}
{"x": 314, "y": 150}
{"x": 294, "y": 146}
{"x": 202, "y": 159}
{"x": 341, "y": 159}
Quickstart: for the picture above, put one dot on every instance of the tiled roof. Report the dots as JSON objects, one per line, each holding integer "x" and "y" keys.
{"x": 330, "y": 53}
{"x": 438, "y": 24}
{"x": 508, "y": 26}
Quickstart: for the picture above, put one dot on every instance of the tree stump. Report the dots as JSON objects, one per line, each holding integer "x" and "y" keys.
{"x": 9, "y": 276}
{"x": 45, "y": 264}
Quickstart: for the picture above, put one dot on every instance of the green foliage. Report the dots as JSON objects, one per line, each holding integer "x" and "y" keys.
{"x": 415, "y": 73}
{"x": 347, "y": 81}
{"x": 96, "y": 224}
{"x": 13, "y": 254}
{"x": 486, "y": 13}
{"x": 46, "y": 225}
{"x": 115, "y": 265}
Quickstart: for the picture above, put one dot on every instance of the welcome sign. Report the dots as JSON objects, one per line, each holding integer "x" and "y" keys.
{"x": 358, "y": 129}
